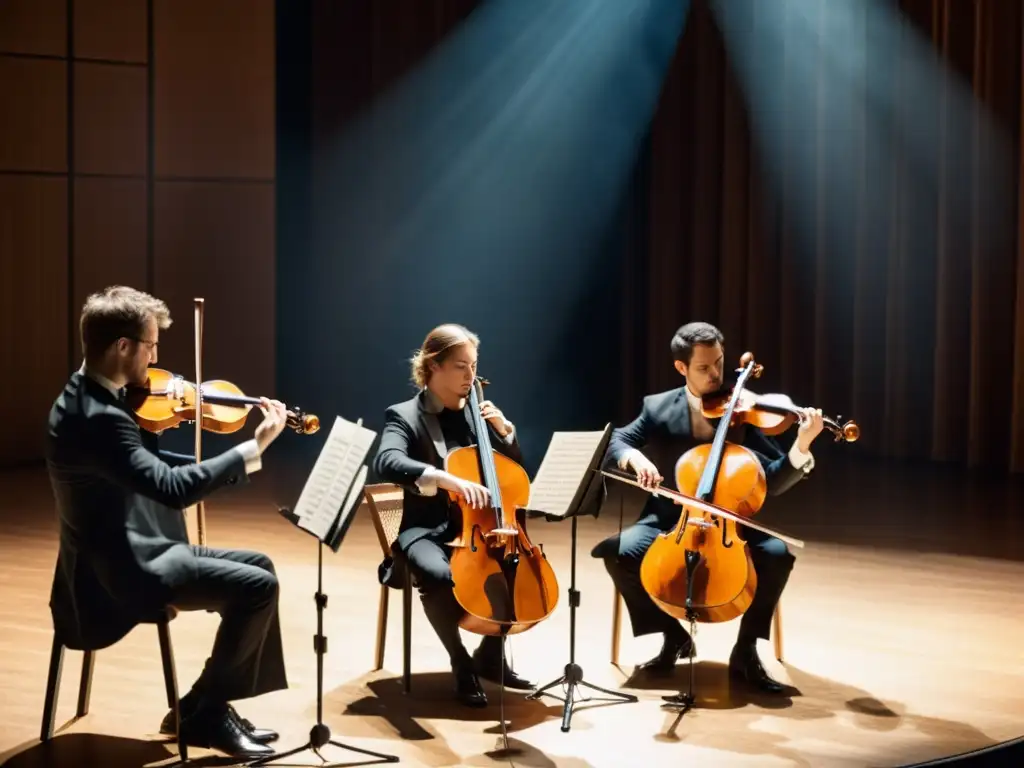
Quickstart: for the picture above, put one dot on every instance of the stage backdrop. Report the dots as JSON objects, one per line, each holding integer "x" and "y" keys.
{"x": 896, "y": 313}
{"x": 137, "y": 146}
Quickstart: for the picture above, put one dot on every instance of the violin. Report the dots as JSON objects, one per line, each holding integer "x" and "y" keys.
{"x": 167, "y": 399}
{"x": 772, "y": 414}
{"x": 701, "y": 569}
{"x": 503, "y": 581}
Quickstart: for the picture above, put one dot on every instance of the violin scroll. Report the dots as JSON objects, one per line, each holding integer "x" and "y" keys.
{"x": 848, "y": 432}
{"x": 303, "y": 423}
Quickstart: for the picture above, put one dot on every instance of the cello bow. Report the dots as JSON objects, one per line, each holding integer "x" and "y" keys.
{"x": 714, "y": 509}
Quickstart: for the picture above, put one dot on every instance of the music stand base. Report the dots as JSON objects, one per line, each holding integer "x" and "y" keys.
{"x": 319, "y": 737}
{"x": 573, "y": 678}
{"x": 320, "y": 734}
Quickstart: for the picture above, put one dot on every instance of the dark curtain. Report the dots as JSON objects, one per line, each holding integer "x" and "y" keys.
{"x": 898, "y": 313}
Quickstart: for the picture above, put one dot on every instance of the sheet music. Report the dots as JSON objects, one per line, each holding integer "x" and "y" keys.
{"x": 328, "y": 486}
{"x": 562, "y": 471}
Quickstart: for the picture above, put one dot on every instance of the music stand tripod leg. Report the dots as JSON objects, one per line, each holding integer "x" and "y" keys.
{"x": 573, "y": 675}
{"x": 320, "y": 734}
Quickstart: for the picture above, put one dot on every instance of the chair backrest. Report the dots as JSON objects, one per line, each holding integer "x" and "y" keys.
{"x": 385, "y": 501}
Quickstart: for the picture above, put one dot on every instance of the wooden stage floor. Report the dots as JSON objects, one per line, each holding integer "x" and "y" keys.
{"x": 902, "y": 622}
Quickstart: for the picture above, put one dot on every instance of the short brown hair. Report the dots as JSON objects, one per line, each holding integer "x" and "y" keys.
{"x": 692, "y": 334}
{"x": 437, "y": 347}
{"x": 116, "y": 312}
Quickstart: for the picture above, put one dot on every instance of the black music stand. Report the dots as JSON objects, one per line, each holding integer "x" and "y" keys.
{"x": 572, "y": 677}
{"x": 320, "y": 734}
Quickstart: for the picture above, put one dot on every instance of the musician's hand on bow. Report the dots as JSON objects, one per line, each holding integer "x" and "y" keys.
{"x": 275, "y": 417}
{"x": 646, "y": 472}
{"x": 811, "y": 425}
{"x": 477, "y": 496}
{"x": 495, "y": 417}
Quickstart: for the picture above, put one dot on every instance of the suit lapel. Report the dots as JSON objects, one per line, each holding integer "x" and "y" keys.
{"x": 433, "y": 429}
{"x": 679, "y": 416}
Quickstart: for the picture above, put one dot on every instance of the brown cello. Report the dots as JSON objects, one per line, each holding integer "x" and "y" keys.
{"x": 503, "y": 581}
{"x": 701, "y": 569}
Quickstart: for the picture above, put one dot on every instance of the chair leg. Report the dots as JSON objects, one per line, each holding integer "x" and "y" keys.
{"x": 777, "y": 631}
{"x": 382, "y": 628}
{"x": 52, "y": 690}
{"x": 407, "y": 632}
{"x": 171, "y": 683}
{"x": 85, "y": 686}
{"x": 616, "y": 625}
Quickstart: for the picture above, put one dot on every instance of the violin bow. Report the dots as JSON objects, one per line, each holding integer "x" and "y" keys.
{"x": 714, "y": 509}
{"x": 198, "y": 306}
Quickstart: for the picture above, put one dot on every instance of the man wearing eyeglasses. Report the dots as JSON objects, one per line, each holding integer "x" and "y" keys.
{"x": 124, "y": 552}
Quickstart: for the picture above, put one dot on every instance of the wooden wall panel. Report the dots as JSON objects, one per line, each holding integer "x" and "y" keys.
{"x": 215, "y": 240}
{"x": 33, "y": 102}
{"x": 194, "y": 103}
{"x": 33, "y": 309}
{"x": 110, "y": 237}
{"x": 110, "y": 119}
{"x": 114, "y": 30}
{"x": 34, "y": 26}
{"x": 214, "y": 88}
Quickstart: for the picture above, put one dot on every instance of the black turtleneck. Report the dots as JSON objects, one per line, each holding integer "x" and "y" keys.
{"x": 455, "y": 428}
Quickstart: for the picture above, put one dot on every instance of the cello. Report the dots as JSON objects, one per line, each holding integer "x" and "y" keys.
{"x": 503, "y": 581}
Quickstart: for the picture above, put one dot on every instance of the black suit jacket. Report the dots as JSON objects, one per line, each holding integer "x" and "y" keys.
{"x": 123, "y": 540}
{"x": 663, "y": 433}
{"x": 410, "y": 442}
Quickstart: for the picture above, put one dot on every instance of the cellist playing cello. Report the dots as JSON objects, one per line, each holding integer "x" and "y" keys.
{"x": 417, "y": 435}
{"x": 671, "y": 423}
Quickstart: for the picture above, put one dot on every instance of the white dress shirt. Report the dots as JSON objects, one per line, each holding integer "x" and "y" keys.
{"x": 250, "y": 449}
{"x": 701, "y": 429}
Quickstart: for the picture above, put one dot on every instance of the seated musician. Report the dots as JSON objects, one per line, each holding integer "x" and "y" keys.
{"x": 669, "y": 425}
{"x": 124, "y": 552}
{"x": 418, "y": 434}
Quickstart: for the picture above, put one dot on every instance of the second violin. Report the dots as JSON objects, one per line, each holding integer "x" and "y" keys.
{"x": 773, "y": 414}
{"x": 168, "y": 399}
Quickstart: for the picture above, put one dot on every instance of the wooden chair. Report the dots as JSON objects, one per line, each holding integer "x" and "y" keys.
{"x": 385, "y": 503}
{"x": 162, "y": 621}
{"x": 617, "y": 627}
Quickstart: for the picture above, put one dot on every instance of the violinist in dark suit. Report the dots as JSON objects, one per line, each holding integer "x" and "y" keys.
{"x": 669, "y": 425}
{"x": 124, "y": 553}
{"x": 417, "y": 436}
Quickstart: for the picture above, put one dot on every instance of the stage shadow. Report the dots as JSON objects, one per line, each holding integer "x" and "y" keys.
{"x": 107, "y": 751}
{"x": 521, "y": 754}
{"x": 748, "y": 729}
{"x": 712, "y": 687}
{"x": 431, "y": 699}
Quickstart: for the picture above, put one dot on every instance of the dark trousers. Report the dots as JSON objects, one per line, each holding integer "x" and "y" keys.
{"x": 624, "y": 552}
{"x": 247, "y": 657}
{"x": 431, "y": 572}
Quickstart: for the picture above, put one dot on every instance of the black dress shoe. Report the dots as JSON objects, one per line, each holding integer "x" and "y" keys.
{"x": 223, "y": 733}
{"x": 492, "y": 669}
{"x": 467, "y": 688}
{"x": 673, "y": 649}
{"x": 262, "y": 735}
{"x": 745, "y": 665}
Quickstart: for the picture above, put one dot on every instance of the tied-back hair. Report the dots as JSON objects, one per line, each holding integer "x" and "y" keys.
{"x": 437, "y": 347}
{"x": 118, "y": 312}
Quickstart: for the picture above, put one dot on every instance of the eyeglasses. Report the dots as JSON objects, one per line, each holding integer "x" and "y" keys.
{"x": 149, "y": 344}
